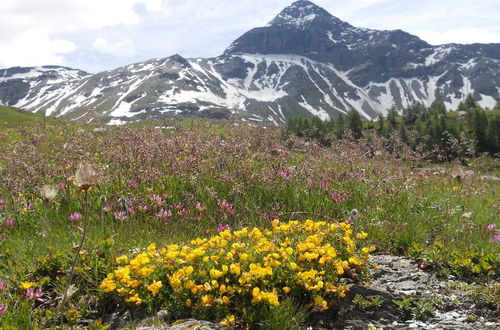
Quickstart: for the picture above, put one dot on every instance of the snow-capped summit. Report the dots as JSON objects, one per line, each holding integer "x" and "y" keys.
{"x": 300, "y": 14}
{"x": 304, "y": 62}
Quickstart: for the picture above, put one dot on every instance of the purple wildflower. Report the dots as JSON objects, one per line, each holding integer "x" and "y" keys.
{"x": 3, "y": 308}
{"x": 61, "y": 186}
{"x": 3, "y": 285}
{"x": 164, "y": 214}
{"x": 10, "y": 223}
{"x": 491, "y": 227}
{"x": 120, "y": 215}
{"x": 35, "y": 294}
{"x": 2, "y": 202}
{"x": 108, "y": 207}
{"x": 495, "y": 239}
{"x": 221, "y": 227}
{"x": 183, "y": 212}
{"x": 336, "y": 197}
{"x": 156, "y": 199}
{"x": 177, "y": 205}
{"x": 74, "y": 217}
{"x": 132, "y": 184}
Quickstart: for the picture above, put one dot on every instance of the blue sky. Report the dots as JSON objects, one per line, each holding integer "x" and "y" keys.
{"x": 97, "y": 35}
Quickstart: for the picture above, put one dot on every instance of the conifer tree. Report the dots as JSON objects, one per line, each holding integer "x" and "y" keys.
{"x": 355, "y": 124}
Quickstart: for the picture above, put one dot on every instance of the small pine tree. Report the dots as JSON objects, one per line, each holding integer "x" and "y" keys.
{"x": 470, "y": 102}
{"x": 355, "y": 123}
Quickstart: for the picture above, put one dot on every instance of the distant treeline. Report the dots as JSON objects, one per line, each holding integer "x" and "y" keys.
{"x": 470, "y": 129}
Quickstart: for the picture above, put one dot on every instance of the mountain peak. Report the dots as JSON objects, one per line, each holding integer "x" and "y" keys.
{"x": 299, "y": 14}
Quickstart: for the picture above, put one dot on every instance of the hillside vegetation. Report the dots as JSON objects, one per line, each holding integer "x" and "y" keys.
{"x": 238, "y": 224}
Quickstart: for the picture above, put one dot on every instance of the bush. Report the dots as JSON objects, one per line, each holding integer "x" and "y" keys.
{"x": 246, "y": 273}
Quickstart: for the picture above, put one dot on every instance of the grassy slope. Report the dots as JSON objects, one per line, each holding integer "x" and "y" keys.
{"x": 395, "y": 209}
{"x": 12, "y": 116}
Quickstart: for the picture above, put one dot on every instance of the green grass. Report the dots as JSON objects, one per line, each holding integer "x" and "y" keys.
{"x": 13, "y": 117}
{"x": 408, "y": 207}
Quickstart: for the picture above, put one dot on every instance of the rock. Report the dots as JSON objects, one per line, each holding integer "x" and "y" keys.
{"x": 189, "y": 324}
{"x": 163, "y": 315}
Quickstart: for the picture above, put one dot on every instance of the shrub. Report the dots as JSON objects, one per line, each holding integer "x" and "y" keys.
{"x": 244, "y": 273}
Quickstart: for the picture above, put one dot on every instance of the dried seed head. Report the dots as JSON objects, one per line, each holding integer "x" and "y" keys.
{"x": 48, "y": 193}
{"x": 122, "y": 201}
{"x": 85, "y": 176}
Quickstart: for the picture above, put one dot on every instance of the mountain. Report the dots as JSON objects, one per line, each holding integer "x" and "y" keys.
{"x": 304, "y": 62}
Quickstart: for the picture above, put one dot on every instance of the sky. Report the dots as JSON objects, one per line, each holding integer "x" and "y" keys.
{"x": 98, "y": 35}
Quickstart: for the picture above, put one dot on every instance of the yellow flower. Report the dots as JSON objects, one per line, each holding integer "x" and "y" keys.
{"x": 362, "y": 235}
{"x": 215, "y": 273}
{"x": 108, "y": 285}
{"x": 225, "y": 300}
{"x": 229, "y": 320}
{"x": 206, "y": 300}
{"x": 235, "y": 269}
{"x": 155, "y": 287}
{"x": 286, "y": 289}
{"x": 135, "y": 299}
{"x": 320, "y": 303}
{"x": 27, "y": 285}
{"x": 122, "y": 260}
{"x": 188, "y": 302}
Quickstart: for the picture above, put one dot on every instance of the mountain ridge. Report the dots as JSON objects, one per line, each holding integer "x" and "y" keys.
{"x": 304, "y": 62}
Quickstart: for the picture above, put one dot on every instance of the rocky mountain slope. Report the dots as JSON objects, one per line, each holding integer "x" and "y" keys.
{"x": 304, "y": 62}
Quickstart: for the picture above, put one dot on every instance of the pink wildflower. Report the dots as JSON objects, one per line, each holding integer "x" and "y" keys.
{"x": 61, "y": 186}
{"x": 177, "y": 205}
{"x": 108, "y": 207}
{"x": 221, "y": 227}
{"x": 10, "y": 223}
{"x": 336, "y": 197}
{"x": 199, "y": 206}
{"x": 3, "y": 308}
{"x": 164, "y": 214}
{"x": 495, "y": 239}
{"x": 183, "y": 212}
{"x": 2, "y": 202}
{"x": 132, "y": 184}
{"x": 35, "y": 294}
{"x": 120, "y": 216}
{"x": 156, "y": 199}
{"x": 74, "y": 217}
{"x": 3, "y": 285}
{"x": 491, "y": 227}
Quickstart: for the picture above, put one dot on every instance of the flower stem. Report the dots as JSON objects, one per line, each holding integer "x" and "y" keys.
{"x": 75, "y": 260}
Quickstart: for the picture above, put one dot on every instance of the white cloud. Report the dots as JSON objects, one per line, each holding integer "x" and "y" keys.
{"x": 30, "y": 29}
{"x": 34, "y": 48}
{"x": 460, "y": 35}
{"x": 122, "y": 48}
{"x": 48, "y": 31}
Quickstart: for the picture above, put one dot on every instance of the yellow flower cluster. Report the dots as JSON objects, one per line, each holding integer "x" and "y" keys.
{"x": 245, "y": 268}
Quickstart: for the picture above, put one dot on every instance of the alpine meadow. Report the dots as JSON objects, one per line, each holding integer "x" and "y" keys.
{"x": 316, "y": 175}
